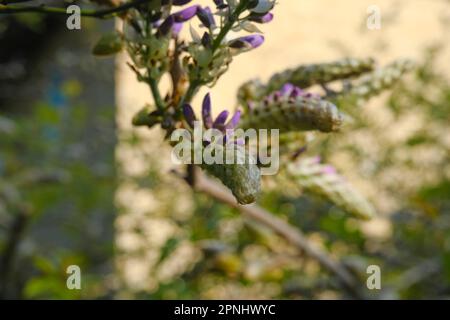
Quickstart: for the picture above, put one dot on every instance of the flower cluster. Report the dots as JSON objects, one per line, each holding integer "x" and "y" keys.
{"x": 241, "y": 175}
{"x": 211, "y": 50}
{"x": 217, "y": 35}
{"x": 152, "y": 39}
{"x": 220, "y": 122}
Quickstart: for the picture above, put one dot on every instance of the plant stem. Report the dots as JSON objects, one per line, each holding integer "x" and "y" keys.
{"x": 227, "y": 27}
{"x": 191, "y": 91}
{"x": 194, "y": 85}
{"x": 102, "y": 14}
{"x": 156, "y": 95}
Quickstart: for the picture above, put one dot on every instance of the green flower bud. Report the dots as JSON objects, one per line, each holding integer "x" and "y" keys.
{"x": 243, "y": 177}
{"x": 145, "y": 117}
{"x": 206, "y": 67}
{"x": 152, "y": 54}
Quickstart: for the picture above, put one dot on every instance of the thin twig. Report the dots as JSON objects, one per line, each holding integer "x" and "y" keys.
{"x": 102, "y": 14}
{"x": 156, "y": 94}
{"x": 200, "y": 182}
{"x": 13, "y": 1}
{"x": 418, "y": 273}
{"x": 229, "y": 24}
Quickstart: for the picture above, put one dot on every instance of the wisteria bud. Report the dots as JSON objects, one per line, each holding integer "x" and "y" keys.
{"x": 242, "y": 177}
{"x": 292, "y": 109}
{"x": 375, "y": 82}
{"x": 323, "y": 180}
{"x": 307, "y": 75}
{"x": 236, "y": 168}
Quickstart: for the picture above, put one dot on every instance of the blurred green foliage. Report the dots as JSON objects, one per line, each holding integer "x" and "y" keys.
{"x": 62, "y": 181}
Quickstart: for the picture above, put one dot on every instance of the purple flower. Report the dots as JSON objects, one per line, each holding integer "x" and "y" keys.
{"x": 261, "y": 18}
{"x": 234, "y": 120}
{"x": 176, "y": 29}
{"x": 219, "y": 123}
{"x": 169, "y": 26}
{"x": 289, "y": 91}
{"x": 189, "y": 115}
{"x": 186, "y": 14}
{"x": 174, "y": 22}
{"x": 316, "y": 159}
{"x": 299, "y": 92}
{"x": 328, "y": 169}
{"x": 206, "y": 17}
{"x": 249, "y": 42}
{"x": 206, "y": 40}
{"x": 206, "y": 112}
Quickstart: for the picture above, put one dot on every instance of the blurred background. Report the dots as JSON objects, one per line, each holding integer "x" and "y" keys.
{"x": 79, "y": 185}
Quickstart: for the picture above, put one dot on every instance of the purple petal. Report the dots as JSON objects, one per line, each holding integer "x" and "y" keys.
{"x": 206, "y": 40}
{"x": 297, "y": 92}
{"x": 219, "y": 123}
{"x": 186, "y": 14}
{"x": 206, "y": 17}
{"x": 258, "y": 18}
{"x": 276, "y": 96}
{"x": 176, "y": 29}
{"x": 189, "y": 115}
{"x": 234, "y": 120}
{"x": 287, "y": 89}
{"x": 328, "y": 169}
{"x": 166, "y": 26}
{"x": 206, "y": 112}
{"x": 251, "y": 41}
{"x": 316, "y": 159}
